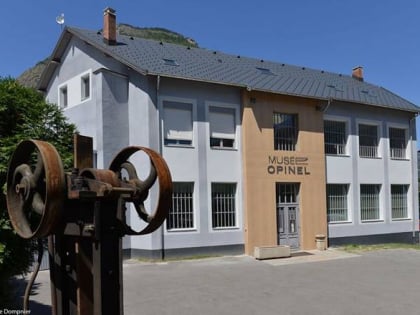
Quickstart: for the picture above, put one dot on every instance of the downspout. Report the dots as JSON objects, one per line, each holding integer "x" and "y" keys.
{"x": 323, "y": 109}
{"x": 162, "y": 232}
{"x": 413, "y": 172}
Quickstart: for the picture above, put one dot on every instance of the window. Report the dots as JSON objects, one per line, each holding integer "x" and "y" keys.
{"x": 399, "y": 201}
{"x": 222, "y": 127}
{"x": 287, "y": 193}
{"x": 265, "y": 71}
{"x": 170, "y": 62}
{"x": 397, "y": 143}
{"x": 223, "y": 207}
{"x": 285, "y": 131}
{"x": 369, "y": 202}
{"x": 178, "y": 123}
{"x": 181, "y": 214}
{"x": 335, "y": 137}
{"x": 85, "y": 87}
{"x": 368, "y": 141}
{"x": 337, "y": 205}
{"x": 63, "y": 97}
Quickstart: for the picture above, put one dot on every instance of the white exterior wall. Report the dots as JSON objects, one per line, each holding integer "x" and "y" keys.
{"x": 125, "y": 108}
{"x": 202, "y": 164}
{"x": 354, "y": 170}
{"x": 78, "y": 60}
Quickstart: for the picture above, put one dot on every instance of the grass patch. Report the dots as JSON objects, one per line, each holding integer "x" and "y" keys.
{"x": 176, "y": 258}
{"x": 373, "y": 247}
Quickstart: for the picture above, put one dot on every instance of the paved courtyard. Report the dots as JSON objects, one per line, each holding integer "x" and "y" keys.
{"x": 330, "y": 282}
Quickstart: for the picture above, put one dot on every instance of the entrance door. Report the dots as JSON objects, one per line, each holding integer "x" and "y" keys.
{"x": 288, "y": 214}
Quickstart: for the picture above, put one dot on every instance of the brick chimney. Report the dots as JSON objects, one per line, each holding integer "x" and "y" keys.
{"x": 358, "y": 73}
{"x": 110, "y": 26}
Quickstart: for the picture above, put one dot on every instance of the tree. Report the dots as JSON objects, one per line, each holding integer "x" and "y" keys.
{"x": 24, "y": 114}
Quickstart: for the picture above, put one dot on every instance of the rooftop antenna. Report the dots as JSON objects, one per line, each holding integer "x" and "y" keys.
{"x": 60, "y": 20}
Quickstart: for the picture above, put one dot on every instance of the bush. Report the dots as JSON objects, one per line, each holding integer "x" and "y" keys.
{"x": 24, "y": 114}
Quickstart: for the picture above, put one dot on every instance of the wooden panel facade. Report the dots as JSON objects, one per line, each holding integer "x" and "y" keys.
{"x": 264, "y": 167}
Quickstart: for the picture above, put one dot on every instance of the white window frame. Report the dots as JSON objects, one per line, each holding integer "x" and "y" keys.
{"x": 293, "y": 146}
{"x": 63, "y": 98}
{"x": 347, "y": 123}
{"x": 407, "y": 141}
{"x": 194, "y": 212}
{"x": 378, "y": 126}
{"x": 193, "y": 103}
{"x": 347, "y": 201}
{"x": 380, "y": 205}
{"x": 228, "y": 106}
{"x": 225, "y": 203}
{"x": 87, "y": 77}
{"x": 407, "y": 202}
{"x": 74, "y": 90}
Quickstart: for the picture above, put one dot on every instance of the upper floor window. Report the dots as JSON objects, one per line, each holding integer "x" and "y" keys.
{"x": 222, "y": 127}
{"x": 397, "y": 143}
{"x": 368, "y": 141}
{"x": 178, "y": 123}
{"x": 85, "y": 87}
{"x": 335, "y": 137}
{"x": 64, "y": 98}
{"x": 285, "y": 127}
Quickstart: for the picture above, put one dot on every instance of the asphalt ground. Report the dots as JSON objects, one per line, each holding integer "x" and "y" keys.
{"x": 328, "y": 282}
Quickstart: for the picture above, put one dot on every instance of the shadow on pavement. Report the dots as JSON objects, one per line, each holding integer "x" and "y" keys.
{"x": 18, "y": 285}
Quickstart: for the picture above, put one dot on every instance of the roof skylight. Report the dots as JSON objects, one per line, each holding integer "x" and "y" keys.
{"x": 265, "y": 71}
{"x": 170, "y": 62}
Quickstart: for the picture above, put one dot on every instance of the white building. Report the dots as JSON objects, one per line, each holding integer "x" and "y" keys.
{"x": 261, "y": 153}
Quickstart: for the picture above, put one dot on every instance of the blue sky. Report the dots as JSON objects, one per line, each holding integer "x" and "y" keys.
{"x": 332, "y": 35}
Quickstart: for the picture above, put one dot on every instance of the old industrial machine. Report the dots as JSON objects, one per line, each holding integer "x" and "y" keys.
{"x": 83, "y": 215}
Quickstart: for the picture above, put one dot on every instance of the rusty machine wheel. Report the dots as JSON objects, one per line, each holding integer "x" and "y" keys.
{"x": 35, "y": 189}
{"x": 158, "y": 170}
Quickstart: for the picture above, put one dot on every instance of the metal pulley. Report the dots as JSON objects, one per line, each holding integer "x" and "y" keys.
{"x": 83, "y": 213}
{"x": 158, "y": 169}
{"x": 35, "y": 189}
{"x": 38, "y": 190}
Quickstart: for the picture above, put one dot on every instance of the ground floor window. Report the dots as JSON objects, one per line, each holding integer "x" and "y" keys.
{"x": 369, "y": 202}
{"x": 181, "y": 213}
{"x": 399, "y": 201}
{"x": 223, "y": 205}
{"x": 287, "y": 192}
{"x": 337, "y": 205}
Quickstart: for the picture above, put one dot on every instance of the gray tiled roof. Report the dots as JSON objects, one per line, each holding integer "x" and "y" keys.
{"x": 155, "y": 58}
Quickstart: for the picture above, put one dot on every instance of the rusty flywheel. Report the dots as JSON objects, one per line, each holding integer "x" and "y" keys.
{"x": 158, "y": 170}
{"x": 35, "y": 189}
